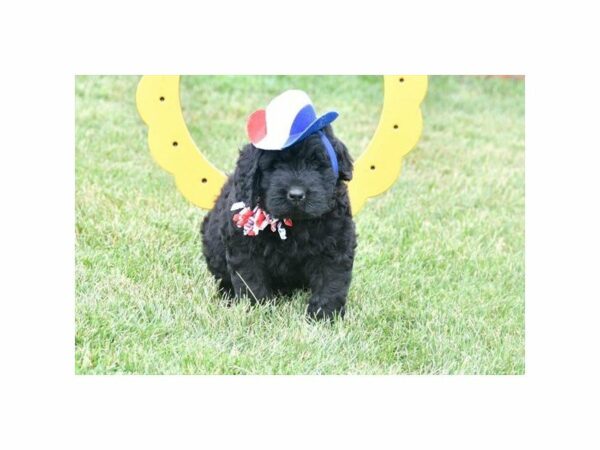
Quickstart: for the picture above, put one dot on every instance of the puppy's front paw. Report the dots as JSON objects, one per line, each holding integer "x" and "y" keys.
{"x": 321, "y": 311}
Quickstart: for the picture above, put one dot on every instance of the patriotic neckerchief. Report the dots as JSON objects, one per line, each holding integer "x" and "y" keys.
{"x": 253, "y": 221}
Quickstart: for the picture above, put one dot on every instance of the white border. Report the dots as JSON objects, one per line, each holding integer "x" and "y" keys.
{"x": 553, "y": 405}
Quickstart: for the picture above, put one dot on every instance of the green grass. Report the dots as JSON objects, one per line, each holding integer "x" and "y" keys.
{"x": 438, "y": 284}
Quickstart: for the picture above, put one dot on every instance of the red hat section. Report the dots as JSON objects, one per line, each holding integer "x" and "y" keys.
{"x": 257, "y": 125}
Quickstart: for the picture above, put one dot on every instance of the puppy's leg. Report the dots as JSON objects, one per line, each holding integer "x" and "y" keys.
{"x": 329, "y": 282}
{"x": 225, "y": 288}
{"x": 248, "y": 277}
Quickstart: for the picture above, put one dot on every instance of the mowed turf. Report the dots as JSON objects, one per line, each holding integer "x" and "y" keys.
{"x": 438, "y": 285}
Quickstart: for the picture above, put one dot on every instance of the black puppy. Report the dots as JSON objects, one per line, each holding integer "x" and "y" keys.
{"x": 317, "y": 251}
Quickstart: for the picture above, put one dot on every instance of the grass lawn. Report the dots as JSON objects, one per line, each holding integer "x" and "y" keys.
{"x": 438, "y": 284}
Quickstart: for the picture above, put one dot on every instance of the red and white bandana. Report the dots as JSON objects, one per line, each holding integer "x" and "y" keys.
{"x": 253, "y": 221}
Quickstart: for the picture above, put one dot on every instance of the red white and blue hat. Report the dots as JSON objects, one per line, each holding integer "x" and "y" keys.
{"x": 288, "y": 118}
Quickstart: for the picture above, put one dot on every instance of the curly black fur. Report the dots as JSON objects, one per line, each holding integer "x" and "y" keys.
{"x": 319, "y": 250}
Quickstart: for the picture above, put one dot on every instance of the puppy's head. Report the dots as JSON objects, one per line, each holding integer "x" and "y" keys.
{"x": 297, "y": 182}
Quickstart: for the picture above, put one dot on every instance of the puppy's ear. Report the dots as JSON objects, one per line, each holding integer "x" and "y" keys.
{"x": 344, "y": 159}
{"x": 246, "y": 178}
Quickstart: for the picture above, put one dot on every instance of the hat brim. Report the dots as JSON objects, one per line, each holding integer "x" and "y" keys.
{"x": 268, "y": 143}
{"x": 315, "y": 126}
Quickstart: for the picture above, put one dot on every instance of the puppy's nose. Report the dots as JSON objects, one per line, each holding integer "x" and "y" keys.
{"x": 296, "y": 194}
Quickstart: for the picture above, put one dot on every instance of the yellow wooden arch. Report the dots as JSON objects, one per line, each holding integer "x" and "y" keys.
{"x": 200, "y": 182}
